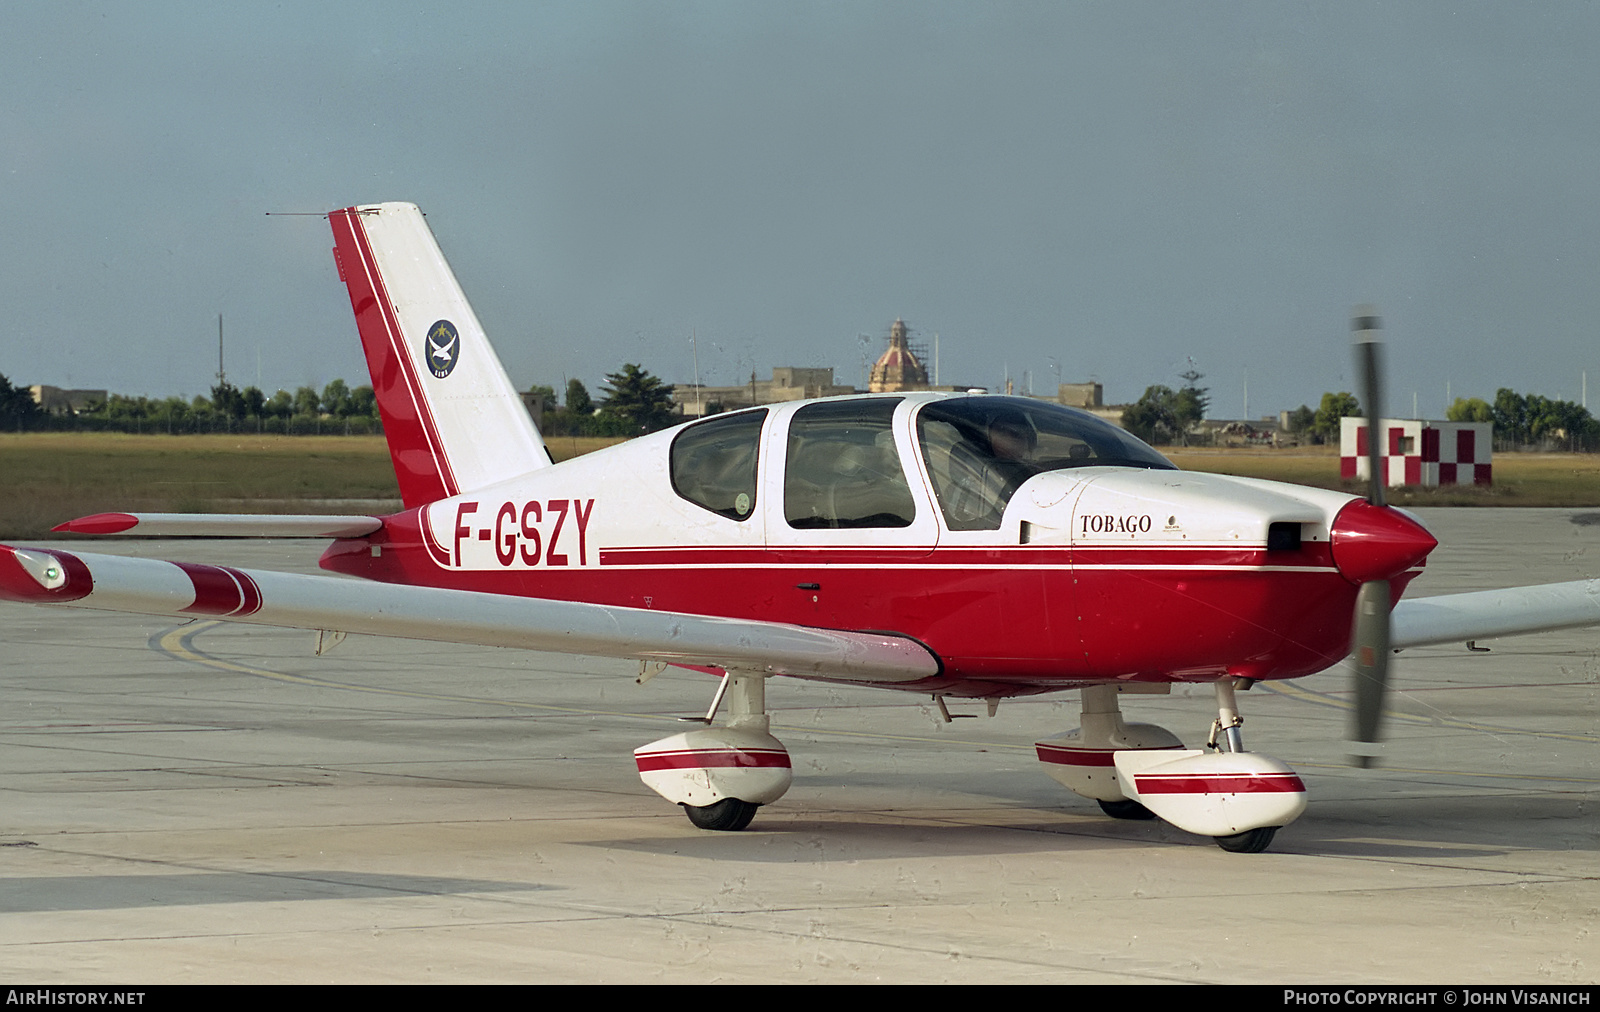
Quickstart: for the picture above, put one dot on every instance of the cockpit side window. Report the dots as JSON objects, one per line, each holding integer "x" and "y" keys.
{"x": 714, "y": 463}
{"x": 843, "y": 470}
{"x": 980, "y": 450}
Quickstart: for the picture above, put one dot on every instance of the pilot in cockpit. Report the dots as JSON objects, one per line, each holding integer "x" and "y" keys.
{"x": 1011, "y": 437}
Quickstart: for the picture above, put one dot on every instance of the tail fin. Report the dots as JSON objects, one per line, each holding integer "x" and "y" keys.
{"x": 454, "y": 421}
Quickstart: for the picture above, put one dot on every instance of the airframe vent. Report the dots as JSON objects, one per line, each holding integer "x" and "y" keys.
{"x": 1283, "y": 537}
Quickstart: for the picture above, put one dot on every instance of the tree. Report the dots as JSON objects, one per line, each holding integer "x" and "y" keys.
{"x": 1326, "y": 426}
{"x": 1550, "y": 420}
{"x": 255, "y": 402}
{"x": 578, "y": 401}
{"x": 227, "y": 401}
{"x": 17, "y": 406}
{"x": 1192, "y": 400}
{"x": 1301, "y": 419}
{"x": 1510, "y": 415}
{"x": 336, "y": 399}
{"x": 1164, "y": 415}
{"x": 363, "y": 402}
{"x": 1470, "y": 409}
{"x": 1188, "y": 408}
{"x": 175, "y": 413}
{"x": 637, "y": 397}
{"x": 1154, "y": 417}
{"x": 1532, "y": 419}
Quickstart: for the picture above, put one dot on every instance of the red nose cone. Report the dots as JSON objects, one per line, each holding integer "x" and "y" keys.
{"x": 1377, "y": 543}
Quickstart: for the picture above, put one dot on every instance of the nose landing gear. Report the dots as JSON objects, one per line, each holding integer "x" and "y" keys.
{"x": 1240, "y": 799}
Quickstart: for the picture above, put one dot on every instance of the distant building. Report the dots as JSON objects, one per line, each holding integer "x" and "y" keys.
{"x": 788, "y": 383}
{"x": 1241, "y": 432}
{"x": 1080, "y": 395}
{"x": 1416, "y": 452}
{"x": 898, "y": 368}
{"x": 535, "y": 405}
{"x": 56, "y": 401}
{"x": 1089, "y": 397}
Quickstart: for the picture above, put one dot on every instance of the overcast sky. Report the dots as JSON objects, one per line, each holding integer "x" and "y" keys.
{"x": 1082, "y": 190}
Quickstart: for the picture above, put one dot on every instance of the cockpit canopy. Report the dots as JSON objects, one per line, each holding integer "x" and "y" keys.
{"x": 980, "y": 450}
{"x": 842, "y": 468}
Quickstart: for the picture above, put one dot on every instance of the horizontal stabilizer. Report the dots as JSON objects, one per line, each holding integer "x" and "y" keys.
{"x": 222, "y": 525}
{"x": 190, "y": 590}
{"x": 1484, "y": 614}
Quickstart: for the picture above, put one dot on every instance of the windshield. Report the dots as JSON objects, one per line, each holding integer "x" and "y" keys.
{"x": 980, "y": 450}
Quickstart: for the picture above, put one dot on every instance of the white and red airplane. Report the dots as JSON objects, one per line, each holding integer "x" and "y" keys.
{"x": 954, "y": 545}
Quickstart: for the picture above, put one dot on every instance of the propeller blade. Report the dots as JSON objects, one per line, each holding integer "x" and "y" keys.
{"x": 1371, "y": 633}
{"x": 1371, "y": 652}
{"x": 1368, "y": 330}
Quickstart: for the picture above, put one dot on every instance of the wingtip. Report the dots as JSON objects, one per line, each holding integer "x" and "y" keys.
{"x": 98, "y": 523}
{"x": 39, "y": 576}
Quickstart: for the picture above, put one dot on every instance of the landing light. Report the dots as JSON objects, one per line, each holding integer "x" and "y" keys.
{"x": 45, "y": 569}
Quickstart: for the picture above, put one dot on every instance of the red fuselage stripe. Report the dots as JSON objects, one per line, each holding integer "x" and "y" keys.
{"x": 697, "y": 759}
{"x": 1010, "y": 557}
{"x": 1097, "y": 757}
{"x": 1219, "y": 783}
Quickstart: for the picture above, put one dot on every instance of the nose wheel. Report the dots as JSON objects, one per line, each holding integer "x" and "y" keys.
{"x": 1238, "y": 798}
{"x": 727, "y": 816}
{"x": 1251, "y": 841}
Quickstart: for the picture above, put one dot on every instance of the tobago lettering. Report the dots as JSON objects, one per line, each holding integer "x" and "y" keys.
{"x": 1111, "y": 523}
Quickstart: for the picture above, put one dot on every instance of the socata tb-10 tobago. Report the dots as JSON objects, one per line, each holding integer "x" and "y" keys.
{"x": 967, "y": 546}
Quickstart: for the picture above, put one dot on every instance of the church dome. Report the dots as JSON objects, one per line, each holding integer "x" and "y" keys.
{"x": 898, "y": 367}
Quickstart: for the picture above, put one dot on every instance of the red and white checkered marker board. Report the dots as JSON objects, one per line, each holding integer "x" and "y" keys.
{"x": 1421, "y": 452}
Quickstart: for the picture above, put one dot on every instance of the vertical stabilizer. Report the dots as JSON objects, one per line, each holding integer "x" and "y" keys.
{"x": 454, "y": 421}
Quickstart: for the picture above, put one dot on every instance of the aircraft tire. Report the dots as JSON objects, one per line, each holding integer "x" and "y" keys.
{"x": 728, "y": 815}
{"x": 1126, "y": 809}
{"x": 1251, "y": 841}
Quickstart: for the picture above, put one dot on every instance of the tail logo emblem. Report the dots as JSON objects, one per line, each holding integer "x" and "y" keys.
{"x": 444, "y": 348}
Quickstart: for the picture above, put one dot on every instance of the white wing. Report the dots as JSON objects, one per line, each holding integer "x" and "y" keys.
{"x": 1455, "y": 618}
{"x": 187, "y": 590}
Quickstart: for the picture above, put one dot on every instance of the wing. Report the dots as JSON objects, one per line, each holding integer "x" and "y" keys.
{"x": 189, "y": 590}
{"x": 1454, "y": 618}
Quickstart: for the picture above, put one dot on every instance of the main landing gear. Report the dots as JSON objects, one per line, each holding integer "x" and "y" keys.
{"x": 721, "y": 775}
{"x": 1140, "y": 771}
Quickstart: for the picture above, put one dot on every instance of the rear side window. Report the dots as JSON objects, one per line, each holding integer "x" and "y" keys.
{"x": 714, "y": 463}
{"x": 843, "y": 469}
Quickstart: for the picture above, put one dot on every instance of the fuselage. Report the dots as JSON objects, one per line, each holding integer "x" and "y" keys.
{"x": 1030, "y": 547}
